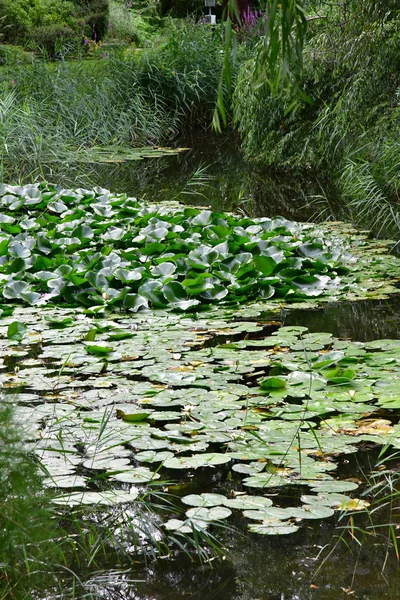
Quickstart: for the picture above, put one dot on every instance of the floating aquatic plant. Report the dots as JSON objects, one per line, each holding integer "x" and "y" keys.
{"x": 81, "y": 247}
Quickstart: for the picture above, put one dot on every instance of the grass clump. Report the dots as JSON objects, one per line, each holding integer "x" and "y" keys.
{"x": 48, "y": 111}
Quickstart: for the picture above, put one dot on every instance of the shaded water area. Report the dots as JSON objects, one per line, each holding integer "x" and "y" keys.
{"x": 213, "y": 172}
{"x": 331, "y": 559}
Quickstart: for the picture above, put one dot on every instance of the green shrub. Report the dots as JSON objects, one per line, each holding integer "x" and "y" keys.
{"x": 43, "y": 24}
{"x": 14, "y": 56}
{"x": 182, "y": 8}
{"x": 94, "y": 13}
{"x": 352, "y": 74}
{"x": 15, "y": 18}
{"x": 131, "y": 25}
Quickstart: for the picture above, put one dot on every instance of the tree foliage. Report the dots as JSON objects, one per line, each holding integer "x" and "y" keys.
{"x": 279, "y": 53}
{"x": 41, "y": 23}
{"x": 351, "y": 71}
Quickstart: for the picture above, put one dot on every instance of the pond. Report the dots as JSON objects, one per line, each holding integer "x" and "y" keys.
{"x": 213, "y": 172}
{"x": 151, "y": 398}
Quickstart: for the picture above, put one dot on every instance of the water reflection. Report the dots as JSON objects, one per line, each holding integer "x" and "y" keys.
{"x": 361, "y": 321}
{"x": 213, "y": 172}
{"x": 317, "y": 563}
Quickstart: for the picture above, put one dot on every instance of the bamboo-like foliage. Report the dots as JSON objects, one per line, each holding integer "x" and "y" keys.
{"x": 279, "y": 55}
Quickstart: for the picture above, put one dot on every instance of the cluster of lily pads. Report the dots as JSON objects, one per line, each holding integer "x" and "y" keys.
{"x": 113, "y": 404}
{"x": 94, "y": 248}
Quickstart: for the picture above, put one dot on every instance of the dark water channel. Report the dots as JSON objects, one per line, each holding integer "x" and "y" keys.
{"x": 325, "y": 560}
{"x": 212, "y": 172}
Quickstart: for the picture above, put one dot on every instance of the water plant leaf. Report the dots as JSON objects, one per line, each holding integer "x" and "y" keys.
{"x": 16, "y": 331}
{"x": 274, "y": 527}
{"x": 215, "y": 513}
{"x": 247, "y": 502}
{"x": 98, "y": 349}
{"x": 110, "y": 250}
{"x": 206, "y": 500}
{"x": 132, "y": 417}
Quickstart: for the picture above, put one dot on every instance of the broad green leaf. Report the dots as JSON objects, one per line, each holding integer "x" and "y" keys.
{"x": 16, "y": 331}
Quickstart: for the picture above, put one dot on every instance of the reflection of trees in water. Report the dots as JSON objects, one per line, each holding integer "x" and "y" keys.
{"x": 299, "y": 198}
{"x": 227, "y": 182}
{"x": 361, "y": 321}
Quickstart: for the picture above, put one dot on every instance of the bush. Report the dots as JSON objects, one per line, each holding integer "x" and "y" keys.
{"x": 352, "y": 73}
{"x": 14, "y": 56}
{"x": 137, "y": 26}
{"x": 44, "y": 23}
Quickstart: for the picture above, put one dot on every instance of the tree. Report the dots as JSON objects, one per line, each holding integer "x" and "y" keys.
{"x": 280, "y": 52}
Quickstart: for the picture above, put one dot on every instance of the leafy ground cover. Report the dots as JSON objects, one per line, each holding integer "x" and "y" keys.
{"x": 185, "y": 388}
{"x": 97, "y": 249}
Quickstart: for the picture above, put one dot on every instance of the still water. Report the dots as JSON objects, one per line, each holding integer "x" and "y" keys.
{"x": 326, "y": 560}
{"x": 213, "y": 172}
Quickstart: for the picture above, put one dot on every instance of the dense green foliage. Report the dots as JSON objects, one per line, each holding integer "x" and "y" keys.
{"x": 95, "y": 248}
{"x": 44, "y": 24}
{"x": 48, "y": 111}
{"x": 352, "y": 74}
{"x": 26, "y": 543}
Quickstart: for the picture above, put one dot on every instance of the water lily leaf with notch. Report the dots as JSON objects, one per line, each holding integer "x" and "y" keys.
{"x": 333, "y": 485}
{"x": 136, "y": 475}
{"x": 204, "y": 500}
{"x": 248, "y": 502}
{"x": 152, "y": 456}
{"x": 335, "y": 501}
{"x": 274, "y": 527}
{"x": 215, "y": 513}
{"x": 269, "y": 512}
{"x": 312, "y": 511}
{"x": 16, "y": 331}
{"x": 185, "y": 526}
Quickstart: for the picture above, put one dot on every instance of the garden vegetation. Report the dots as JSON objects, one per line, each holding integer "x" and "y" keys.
{"x": 80, "y": 79}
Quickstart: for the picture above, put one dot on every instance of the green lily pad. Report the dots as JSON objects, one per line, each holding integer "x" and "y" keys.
{"x": 204, "y": 500}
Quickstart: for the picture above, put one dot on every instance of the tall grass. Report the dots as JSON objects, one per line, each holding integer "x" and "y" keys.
{"x": 349, "y": 131}
{"x": 50, "y": 110}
